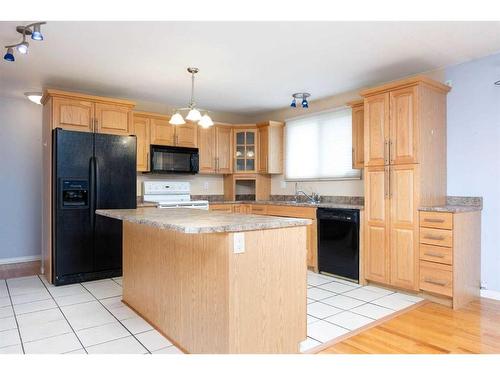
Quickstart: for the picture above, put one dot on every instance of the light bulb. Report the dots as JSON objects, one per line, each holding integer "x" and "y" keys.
{"x": 194, "y": 115}
{"x": 205, "y": 121}
{"x": 22, "y": 48}
{"x": 35, "y": 97}
{"x": 305, "y": 104}
{"x": 176, "y": 119}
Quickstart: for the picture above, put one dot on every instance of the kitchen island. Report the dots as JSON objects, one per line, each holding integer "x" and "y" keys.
{"x": 216, "y": 282}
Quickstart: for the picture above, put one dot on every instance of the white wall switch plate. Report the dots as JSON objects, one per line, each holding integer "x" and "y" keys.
{"x": 238, "y": 243}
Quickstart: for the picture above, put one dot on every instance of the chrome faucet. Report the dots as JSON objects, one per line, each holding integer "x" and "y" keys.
{"x": 313, "y": 198}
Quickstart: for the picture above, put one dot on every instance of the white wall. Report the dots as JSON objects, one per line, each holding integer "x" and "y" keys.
{"x": 20, "y": 188}
{"x": 200, "y": 184}
{"x": 474, "y": 150}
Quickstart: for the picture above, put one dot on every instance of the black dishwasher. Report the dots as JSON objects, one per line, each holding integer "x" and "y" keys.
{"x": 338, "y": 242}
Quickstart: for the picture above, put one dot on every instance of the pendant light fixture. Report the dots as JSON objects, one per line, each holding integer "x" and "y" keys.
{"x": 302, "y": 96}
{"x": 194, "y": 114}
{"x": 33, "y": 29}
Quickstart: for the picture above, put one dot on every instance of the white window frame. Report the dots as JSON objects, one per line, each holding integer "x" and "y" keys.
{"x": 289, "y": 179}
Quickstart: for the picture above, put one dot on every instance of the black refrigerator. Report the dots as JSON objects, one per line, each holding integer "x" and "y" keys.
{"x": 90, "y": 171}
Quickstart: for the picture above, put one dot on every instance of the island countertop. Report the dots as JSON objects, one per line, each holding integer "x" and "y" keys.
{"x": 194, "y": 221}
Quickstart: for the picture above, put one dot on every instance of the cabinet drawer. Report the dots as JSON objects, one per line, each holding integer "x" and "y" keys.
{"x": 439, "y": 237}
{"x": 221, "y": 207}
{"x": 438, "y": 254}
{"x": 292, "y": 211}
{"x": 436, "y": 278}
{"x": 258, "y": 209}
{"x": 440, "y": 220}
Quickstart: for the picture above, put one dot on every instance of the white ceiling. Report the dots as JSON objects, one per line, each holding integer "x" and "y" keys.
{"x": 245, "y": 67}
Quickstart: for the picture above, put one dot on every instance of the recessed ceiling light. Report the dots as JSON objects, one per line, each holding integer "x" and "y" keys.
{"x": 35, "y": 97}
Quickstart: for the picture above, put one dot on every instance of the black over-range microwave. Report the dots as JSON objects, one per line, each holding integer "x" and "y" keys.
{"x": 169, "y": 159}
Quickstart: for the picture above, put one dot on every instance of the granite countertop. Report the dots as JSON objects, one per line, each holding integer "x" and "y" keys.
{"x": 451, "y": 208}
{"x": 146, "y": 204}
{"x": 298, "y": 204}
{"x": 188, "y": 220}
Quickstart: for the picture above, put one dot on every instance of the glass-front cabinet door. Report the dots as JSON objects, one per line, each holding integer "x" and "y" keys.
{"x": 245, "y": 150}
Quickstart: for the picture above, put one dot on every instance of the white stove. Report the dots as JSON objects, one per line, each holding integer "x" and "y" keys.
{"x": 171, "y": 194}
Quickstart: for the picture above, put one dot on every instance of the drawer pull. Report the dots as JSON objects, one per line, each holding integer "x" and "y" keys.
{"x": 435, "y": 238}
{"x": 434, "y": 220}
{"x": 436, "y": 282}
{"x": 435, "y": 255}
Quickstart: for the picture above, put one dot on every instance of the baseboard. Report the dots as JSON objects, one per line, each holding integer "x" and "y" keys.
{"x": 492, "y": 294}
{"x": 31, "y": 258}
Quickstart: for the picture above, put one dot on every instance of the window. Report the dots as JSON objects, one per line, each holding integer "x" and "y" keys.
{"x": 320, "y": 147}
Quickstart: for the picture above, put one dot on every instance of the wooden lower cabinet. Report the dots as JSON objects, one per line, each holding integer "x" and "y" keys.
{"x": 391, "y": 240}
{"x": 280, "y": 210}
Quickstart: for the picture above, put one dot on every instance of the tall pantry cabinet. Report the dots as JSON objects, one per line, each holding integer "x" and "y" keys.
{"x": 405, "y": 168}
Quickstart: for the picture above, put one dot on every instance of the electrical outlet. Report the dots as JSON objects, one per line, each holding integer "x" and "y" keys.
{"x": 205, "y": 186}
{"x": 238, "y": 243}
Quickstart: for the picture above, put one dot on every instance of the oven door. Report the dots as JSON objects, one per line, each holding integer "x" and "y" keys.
{"x": 166, "y": 159}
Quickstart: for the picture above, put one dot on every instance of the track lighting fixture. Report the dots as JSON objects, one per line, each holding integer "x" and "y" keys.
{"x": 194, "y": 113}
{"x": 33, "y": 29}
{"x": 300, "y": 96}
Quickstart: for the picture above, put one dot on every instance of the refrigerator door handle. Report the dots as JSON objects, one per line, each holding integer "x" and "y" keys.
{"x": 96, "y": 194}
{"x": 92, "y": 191}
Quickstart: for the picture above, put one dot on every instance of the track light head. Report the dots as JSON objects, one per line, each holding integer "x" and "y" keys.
{"x": 305, "y": 103}
{"x": 294, "y": 103}
{"x": 22, "y": 47}
{"x": 37, "y": 34}
{"x": 9, "y": 56}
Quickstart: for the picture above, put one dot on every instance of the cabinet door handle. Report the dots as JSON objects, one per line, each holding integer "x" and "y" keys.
{"x": 391, "y": 149}
{"x": 435, "y": 238}
{"x": 386, "y": 152}
{"x": 386, "y": 182}
{"x": 391, "y": 179}
{"x": 435, "y": 255}
{"x": 353, "y": 161}
{"x": 147, "y": 161}
{"x": 96, "y": 126}
{"x": 434, "y": 220}
{"x": 435, "y": 282}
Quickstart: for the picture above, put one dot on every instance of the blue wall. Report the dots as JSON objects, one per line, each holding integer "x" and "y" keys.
{"x": 474, "y": 150}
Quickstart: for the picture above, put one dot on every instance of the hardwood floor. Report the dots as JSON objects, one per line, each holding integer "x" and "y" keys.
{"x": 429, "y": 329}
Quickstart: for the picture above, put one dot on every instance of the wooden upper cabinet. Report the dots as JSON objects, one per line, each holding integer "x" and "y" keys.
{"x": 270, "y": 147}
{"x": 404, "y": 225}
{"x": 358, "y": 140}
{"x": 224, "y": 153}
{"x": 377, "y": 212}
{"x": 162, "y": 133}
{"x": 245, "y": 150}
{"x": 403, "y": 126}
{"x": 73, "y": 114}
{"x": 89, "y": 113}
{"x": 376, "y": 129}
{"x": 113, "y": 119}
{"x": 207, "y": 149}
{"x": 186, "y": 135}
{"x": 141, "y": 130}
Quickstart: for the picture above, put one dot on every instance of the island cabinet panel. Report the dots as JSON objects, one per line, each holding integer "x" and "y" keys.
{"x": 207, "y": 299}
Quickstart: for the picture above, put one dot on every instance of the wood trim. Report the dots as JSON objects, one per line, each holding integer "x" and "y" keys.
{"x": 412, "y": 81}
{"x": 11, "y": 270}
{"x": 355, "y": 103}
{"x": 47, "y": 93}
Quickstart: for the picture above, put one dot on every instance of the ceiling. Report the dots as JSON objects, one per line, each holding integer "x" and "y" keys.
{"x": 245, "y": 67}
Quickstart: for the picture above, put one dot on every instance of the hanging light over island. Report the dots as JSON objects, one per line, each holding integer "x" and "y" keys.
{"x": 194, "y": 114}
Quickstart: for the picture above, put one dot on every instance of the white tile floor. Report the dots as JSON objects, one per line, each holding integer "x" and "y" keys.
{"x": 336, "y": 307}
{"x": 36, "y": 317}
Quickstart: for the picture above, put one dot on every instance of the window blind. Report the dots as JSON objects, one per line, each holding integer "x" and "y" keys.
{"x": 319, "y": 147}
